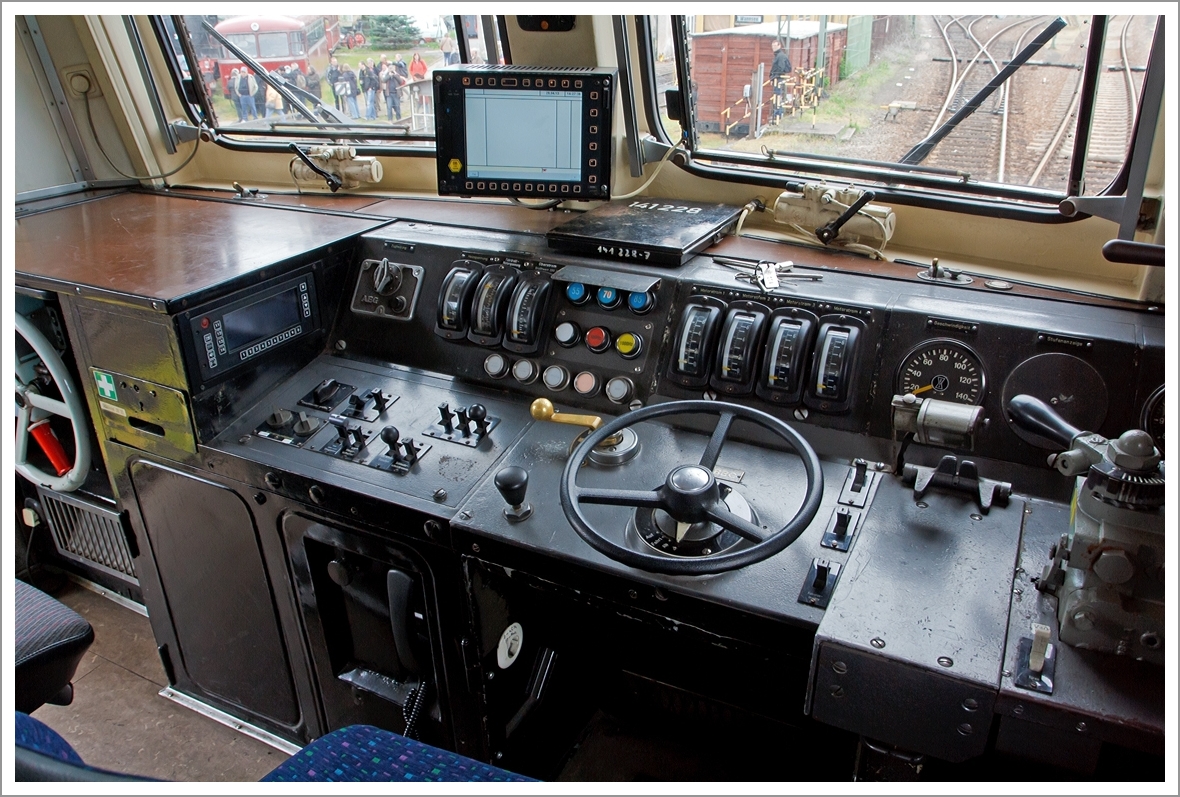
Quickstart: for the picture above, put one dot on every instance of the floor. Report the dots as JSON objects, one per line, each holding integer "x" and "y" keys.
{"x": 119, "y": 721}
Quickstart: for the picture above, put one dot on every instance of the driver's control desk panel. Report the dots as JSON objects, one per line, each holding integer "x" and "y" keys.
{"x": 425, "y": 396}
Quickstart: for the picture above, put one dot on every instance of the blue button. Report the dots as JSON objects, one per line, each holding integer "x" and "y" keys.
{"x": 640, "y": 302}
{"x": 576, "y": 292}
{"x": 608, "y": 297}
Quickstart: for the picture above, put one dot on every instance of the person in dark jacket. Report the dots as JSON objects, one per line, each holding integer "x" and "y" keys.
{"x": 260, "y": 99}
{"x": 370, "y": 85}
{"x": 780, "y": 68}
{"x": 313, "y": 84}
{"x": 332, "y": 75}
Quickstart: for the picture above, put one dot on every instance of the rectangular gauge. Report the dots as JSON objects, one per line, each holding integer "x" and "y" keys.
{"x": 740, "y": 341}
{"x": 833, "y": 371}
{"x": 789, "y": 336}
{"x": 693, "y": 346}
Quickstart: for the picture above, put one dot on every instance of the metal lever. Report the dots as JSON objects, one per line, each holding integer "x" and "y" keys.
{"x": 827, "y": 233}
{"x": 334, "y": 182}
{"x": 543, "y": 410}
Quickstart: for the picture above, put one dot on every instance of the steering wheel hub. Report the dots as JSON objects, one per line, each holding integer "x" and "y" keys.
{"x": 688, "y": 492}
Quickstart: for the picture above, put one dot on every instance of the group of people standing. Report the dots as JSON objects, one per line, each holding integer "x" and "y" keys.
{"x": 254, "y": 99}
{"x": 376, "y": 81}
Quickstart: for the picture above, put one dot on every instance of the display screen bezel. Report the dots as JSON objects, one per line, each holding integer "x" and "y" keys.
{"x": 463, "y": 92}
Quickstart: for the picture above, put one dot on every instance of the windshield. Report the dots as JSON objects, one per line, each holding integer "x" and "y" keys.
{"x": 372, "y": 71}
{"x": 853, "y": 88}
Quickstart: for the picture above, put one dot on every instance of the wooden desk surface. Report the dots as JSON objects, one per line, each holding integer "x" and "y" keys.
{"x": 160, "y": 248}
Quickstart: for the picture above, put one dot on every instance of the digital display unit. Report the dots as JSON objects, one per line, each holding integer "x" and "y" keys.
{"x": 507, "y": 131}
{"x": 229, "y": 334}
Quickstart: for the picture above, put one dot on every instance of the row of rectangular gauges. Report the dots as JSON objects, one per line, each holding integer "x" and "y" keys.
{"x": 786, "y": 356}
{"x": 500, "y": 305}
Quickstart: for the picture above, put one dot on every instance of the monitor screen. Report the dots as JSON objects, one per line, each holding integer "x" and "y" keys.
{"x": 524, "y": 132}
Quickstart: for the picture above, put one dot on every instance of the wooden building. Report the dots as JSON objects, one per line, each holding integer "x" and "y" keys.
{"x": 724, "y": 61}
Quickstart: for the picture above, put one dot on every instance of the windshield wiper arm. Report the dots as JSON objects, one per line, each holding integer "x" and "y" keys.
{"x": 289, "y": 92}
{"x": 924, "y": 147}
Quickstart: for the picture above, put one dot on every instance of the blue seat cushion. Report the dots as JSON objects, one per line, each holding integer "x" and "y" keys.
{"x": 32, "y": 734}
{"x": 50, "y": 639}
{"x": 362, "y": 753}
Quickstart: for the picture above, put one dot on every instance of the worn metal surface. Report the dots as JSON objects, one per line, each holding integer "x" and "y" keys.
{"x": 1096, "y": 695}
{"x": 452, "y": 468}
{"x": 900, "y": 704}
{"x": 922, "y": 601}
{"x": 154, "y": 248}
{"x": 773, "y": 483}
{"x": 144, "y": 415}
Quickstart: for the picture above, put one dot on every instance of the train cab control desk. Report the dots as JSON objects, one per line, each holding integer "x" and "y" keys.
{"x": 380, "y": 465}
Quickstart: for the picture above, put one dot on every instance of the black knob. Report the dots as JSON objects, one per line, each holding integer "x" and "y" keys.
{"x": 390, "y": 436}
{"x": 305, "y": 426}
{"x": 1035, "y": 416}
{"x": 479, "y": 414}
{"x": 279, "y": 418}
{"x": 512, "y": 482}
{"x": 325, "y": 390}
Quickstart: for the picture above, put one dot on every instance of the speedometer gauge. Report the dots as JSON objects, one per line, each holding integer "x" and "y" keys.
{"x": 1153, "y": 417}
{"x": 945, "y": 370}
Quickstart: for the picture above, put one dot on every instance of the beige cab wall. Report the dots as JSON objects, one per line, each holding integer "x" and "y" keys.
{"x": 1068, "y": 255}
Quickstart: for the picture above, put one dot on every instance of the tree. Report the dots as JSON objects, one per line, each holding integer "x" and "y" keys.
{"x": 391, "y": 30}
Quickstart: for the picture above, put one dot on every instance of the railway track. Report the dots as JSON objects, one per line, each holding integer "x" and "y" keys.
{"x": 1114, "y": 109}
{"x": 979, "y": 145}
{"x": 984, "y": 145}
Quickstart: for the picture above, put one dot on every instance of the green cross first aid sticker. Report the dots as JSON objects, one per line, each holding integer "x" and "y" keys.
{"x": 106, "y": 385}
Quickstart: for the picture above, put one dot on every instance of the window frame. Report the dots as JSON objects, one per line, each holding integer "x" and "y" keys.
{"x": 200, "y": 110}
{"x": 926, "y": 190}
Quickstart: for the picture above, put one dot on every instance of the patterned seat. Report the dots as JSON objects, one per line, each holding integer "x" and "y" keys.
{"x": 50, "y": 641}
{"x": 357, "y": 754}
{"x": 362, "y": 753}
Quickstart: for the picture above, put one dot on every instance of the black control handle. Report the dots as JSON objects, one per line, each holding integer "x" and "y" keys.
{"x": 325, "y": 390}
{"x": 512, "y": 482}
{"x": 479, "y": 414}
{"x": 390, "y": 436}
{"x": 1035, "y": 416}
{"x": 827, "y": 233}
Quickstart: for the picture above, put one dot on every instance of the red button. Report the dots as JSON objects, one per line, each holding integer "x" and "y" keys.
{"x": 597, "y": 339}
{"x": 205, "y": 323}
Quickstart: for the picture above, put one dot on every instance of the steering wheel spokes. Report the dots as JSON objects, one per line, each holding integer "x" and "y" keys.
{"x": 33, "y": 407}
{"x": 694, "y": 517}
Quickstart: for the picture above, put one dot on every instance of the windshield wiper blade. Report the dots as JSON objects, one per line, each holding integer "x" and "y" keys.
{"x": 924, "y": 147}
{"x": 291, "y": 93}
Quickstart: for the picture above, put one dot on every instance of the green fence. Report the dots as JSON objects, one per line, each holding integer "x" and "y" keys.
{"x": 860, "y": 45}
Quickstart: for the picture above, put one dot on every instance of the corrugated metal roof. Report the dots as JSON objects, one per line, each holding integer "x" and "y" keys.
{"x": 799, "y": 29}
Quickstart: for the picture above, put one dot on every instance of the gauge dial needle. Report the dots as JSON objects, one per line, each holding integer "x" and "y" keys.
{"x": 922, "y": 389}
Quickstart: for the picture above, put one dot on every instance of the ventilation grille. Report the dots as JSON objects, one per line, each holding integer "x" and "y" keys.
{"x": 88, "y": 534}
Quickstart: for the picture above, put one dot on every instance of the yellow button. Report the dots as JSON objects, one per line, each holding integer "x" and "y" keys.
{"x": 455, "y": 165}
{"x": 628, "y": 344}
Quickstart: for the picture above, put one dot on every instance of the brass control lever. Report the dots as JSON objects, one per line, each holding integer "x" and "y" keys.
{"x": 542, "y": 409}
